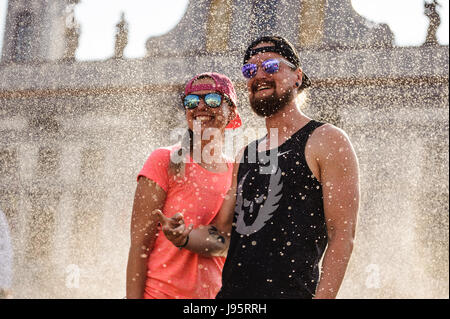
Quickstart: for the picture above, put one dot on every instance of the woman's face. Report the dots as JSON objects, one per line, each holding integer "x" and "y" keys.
{"x": 208, "y": 117}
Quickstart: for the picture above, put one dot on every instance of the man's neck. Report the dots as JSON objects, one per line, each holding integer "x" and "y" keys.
{"x": 285, "y": 122}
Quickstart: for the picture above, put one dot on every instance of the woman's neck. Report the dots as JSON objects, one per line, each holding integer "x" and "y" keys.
{"x": 209, "y": 151}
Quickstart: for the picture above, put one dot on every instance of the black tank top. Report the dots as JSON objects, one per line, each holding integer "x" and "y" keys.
{"x": 279, "y": 231}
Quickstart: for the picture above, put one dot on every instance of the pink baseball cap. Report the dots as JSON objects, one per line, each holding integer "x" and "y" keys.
{"x": 223, "y": 85}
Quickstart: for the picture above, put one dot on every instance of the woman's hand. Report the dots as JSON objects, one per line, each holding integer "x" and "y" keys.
{"x": 174, "y": 228}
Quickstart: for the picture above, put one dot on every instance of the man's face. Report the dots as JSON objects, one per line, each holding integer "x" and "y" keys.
{"x": 269, "y": 93}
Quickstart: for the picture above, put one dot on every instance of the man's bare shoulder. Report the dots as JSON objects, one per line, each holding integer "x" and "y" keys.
{"x": 329, "y": 140}
{"x": 328, "y": 135}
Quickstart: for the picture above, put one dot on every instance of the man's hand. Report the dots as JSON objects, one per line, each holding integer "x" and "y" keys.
{"x": 174, "y": 228}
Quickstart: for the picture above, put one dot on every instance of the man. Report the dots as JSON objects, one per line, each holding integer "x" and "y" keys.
{"x": 276, "y": 227}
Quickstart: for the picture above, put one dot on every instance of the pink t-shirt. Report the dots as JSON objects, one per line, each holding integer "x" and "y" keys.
{"x": 175, "y": 273}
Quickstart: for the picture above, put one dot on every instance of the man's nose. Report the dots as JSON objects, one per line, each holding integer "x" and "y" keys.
{"x": 260, "y": 73}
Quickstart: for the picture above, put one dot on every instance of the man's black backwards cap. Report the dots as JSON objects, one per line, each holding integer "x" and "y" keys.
{"x": 281, "y": 46}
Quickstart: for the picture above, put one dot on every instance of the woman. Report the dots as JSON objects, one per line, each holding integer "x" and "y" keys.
{"x": 195, "y": 187}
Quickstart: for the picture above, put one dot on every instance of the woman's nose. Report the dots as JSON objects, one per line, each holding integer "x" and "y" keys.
{"x": 202, "y": 105}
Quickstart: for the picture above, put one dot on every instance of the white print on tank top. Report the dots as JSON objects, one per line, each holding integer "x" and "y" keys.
{"x": 266, "y": 208}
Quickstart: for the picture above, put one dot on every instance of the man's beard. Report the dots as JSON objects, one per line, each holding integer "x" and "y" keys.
{"x": 269, "y": 105}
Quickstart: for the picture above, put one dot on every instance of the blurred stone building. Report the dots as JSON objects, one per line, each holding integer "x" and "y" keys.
{"x": 75, "y": 134}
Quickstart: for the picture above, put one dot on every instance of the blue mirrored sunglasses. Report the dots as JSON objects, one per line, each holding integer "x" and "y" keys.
{"x": 213, "y": 100}
{"x": 269, "y": 66}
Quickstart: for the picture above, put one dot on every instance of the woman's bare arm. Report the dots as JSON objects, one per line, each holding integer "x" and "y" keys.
{"x": 206, "y": 240}
{"x": 144, "y": 229}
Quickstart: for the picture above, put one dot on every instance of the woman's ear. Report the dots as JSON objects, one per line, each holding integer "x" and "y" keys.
{"x": 232, "y": 114}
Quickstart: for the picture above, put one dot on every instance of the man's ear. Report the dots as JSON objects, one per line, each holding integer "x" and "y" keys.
{"x": 299, "y": 77}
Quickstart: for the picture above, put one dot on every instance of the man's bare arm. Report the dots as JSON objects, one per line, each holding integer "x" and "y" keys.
{"x": 339, "y": 174}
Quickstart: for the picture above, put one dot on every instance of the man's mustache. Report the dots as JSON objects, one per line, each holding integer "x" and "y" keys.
{"x": 257, "y": 83}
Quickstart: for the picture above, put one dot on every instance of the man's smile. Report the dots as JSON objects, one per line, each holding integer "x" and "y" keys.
{"x": 262, "y": 86}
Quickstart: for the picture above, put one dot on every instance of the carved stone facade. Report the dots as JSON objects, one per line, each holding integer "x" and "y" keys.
{"x": 74, "y": 136}
{"x": 121, "y": 37}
